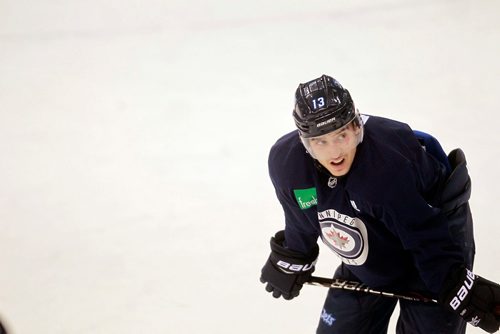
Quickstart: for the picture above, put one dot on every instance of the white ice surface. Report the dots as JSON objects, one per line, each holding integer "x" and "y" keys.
{"x": 134, "y": 195}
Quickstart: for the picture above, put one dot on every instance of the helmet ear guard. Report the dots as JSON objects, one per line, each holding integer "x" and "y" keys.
{"x": 358, "y": 122}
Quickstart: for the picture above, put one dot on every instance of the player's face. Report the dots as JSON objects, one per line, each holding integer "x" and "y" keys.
{"x": 336, "y": 150}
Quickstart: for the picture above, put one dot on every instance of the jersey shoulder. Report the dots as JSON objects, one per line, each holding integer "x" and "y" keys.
{"x": 392, "y": 144}
{"x": 389, "y": 131}
{"x": 393, "y": 161}
{"x": 290, "y": 165}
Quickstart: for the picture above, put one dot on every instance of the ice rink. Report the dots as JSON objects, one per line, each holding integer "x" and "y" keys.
{"x": 134, "y": 194}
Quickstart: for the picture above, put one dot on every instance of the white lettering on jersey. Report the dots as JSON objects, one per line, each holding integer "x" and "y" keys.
{"x": 345, "y": 235}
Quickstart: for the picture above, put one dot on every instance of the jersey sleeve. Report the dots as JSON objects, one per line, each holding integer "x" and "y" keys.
{"x": 301, "y": 233}
{"x": 422, "y": 229}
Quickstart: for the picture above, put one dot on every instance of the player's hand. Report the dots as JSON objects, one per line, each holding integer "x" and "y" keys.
{"x": 474, "y": 298}
{"x": 286, "y": 271}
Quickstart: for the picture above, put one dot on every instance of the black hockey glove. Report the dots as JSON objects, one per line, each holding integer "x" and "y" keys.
{"x": 286, "y": 271}
{"x": 474, "y": 298}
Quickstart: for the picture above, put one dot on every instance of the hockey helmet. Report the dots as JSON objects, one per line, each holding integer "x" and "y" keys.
{"x": 322, "y": 105}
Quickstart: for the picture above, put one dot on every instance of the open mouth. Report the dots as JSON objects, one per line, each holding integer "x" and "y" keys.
{"x": 337, "y": 163}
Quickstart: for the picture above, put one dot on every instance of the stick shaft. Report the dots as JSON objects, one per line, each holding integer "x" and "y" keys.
{"x": 335, "y": 283}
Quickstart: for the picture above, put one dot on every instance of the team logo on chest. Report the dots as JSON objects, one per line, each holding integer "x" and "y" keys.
{"x": 345, "y": 235}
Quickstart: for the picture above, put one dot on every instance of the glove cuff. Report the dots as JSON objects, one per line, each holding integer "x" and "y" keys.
{"x": 289, "y": 261}
{"x": 457, "y": 286}
{"x": 278, "y": 246}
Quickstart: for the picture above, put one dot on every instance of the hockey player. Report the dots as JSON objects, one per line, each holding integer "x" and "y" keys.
{"x": 390, "y": 204}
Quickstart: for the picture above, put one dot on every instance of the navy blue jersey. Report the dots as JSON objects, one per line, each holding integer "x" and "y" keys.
{"x": 380, "y": 218}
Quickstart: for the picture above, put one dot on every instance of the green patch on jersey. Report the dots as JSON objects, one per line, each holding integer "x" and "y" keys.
{"x": 306, "y": 198}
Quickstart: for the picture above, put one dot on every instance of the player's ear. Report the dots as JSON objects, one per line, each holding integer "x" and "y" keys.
{"x": 356, "y": 128}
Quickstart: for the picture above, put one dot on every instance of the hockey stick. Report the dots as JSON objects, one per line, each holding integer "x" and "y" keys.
{"x": 336, "y": 283}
